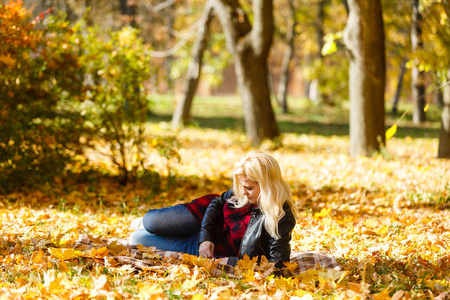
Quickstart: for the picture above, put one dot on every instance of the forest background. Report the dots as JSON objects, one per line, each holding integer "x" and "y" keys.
{"x": 99, "y": 122}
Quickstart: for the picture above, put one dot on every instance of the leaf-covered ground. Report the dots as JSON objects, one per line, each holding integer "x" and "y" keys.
{"x": 385, "y": 218}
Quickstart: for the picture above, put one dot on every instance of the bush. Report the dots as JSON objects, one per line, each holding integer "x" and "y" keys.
{"x": 38, "y": 77}
{"x": 117, "y": 107}
{"x": 69, "y": 87}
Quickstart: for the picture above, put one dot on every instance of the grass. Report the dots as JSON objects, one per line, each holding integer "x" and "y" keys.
{"x": 305, "y": 117}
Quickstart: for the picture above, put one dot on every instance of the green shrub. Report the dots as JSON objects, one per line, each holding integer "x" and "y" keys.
{"x": 117, "y": 107}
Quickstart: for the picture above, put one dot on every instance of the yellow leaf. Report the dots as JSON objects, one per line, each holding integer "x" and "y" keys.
{"x": 383, "y": 230}
{"x": 329, "y": 47}
{"x": 100, "y": 252}
{"x": 391, "y": 131}
{"x": 190, "y": 284}
{"x": 64, "y": 254}
{"x": 309, "y": 277}
{"x": 147, "y": 291}
{"x": 58, "y": 285}
{"x": 63, "y": 267}
{"x": 38, "y": 256}
{"x": 290, "y": 266}
{"x": 116, "y": 248}
{"x": 383, "y": 295}
{"x": 249, "y": 276}
{"x": 246, "y": 263}
{"x": 333, "y": 274}
{"x": 198, "y": 297}
{"x": 426, "y": 107}
{"x": 323, "y": 213}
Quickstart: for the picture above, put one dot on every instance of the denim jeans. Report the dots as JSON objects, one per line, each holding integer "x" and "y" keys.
{"x": 171, "y": 228}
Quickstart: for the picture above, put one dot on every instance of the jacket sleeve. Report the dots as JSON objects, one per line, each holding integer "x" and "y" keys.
{"x": 280, "y": 249}
{"x": 213, "y": 216}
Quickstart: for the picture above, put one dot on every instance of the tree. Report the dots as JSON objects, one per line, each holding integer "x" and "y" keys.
{"x": 287, "y": 58}
{"x": 250, "y": 45}
{"x": 417, "y": 75}
{"x": 364, "y": 39}
{"x": 398, "y": 90}
{"x": 444, "y": 138}
{"x": 181, "y": 115}
{"x": 128, "y": 12}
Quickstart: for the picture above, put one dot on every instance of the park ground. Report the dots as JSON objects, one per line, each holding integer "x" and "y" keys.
{"x": 385, "y": 218}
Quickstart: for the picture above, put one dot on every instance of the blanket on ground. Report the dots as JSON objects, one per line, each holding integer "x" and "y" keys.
{"x": 150, "y": 258}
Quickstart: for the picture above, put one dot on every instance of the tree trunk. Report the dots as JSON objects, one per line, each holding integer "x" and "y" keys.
{"x": 346, "y": 6}
{"x": 364, "y": 39}
{"x": 128, "y": 10}
{"x": 320, "y": 37}
{"x": 181, "y": 115}
{"x": 250, "y": 46}
{"x": 399, "y": 88}
{"x": 168, "y": 64}
{"x": 444, "y": 137}
{"x": 417, "y": 76}
{"x": 288, "y": 54}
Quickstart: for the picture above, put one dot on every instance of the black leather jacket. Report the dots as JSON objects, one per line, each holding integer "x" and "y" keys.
{"x": 256, "y": 241}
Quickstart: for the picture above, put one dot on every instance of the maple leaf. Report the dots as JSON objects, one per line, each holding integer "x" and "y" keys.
{"x": 142, "y": 248}
{"x": 116, "y": 249}
{"x": 38, "y": 256}
{"x": 245, "y": 264}
{"x": 248, "y": 276}
{"x": 57, "y": 285}
{"x": 290, "y": 266}
{"x": 309, "y": 277}
{"x": 99, "y": 253}
{"x": 65, "y": 253}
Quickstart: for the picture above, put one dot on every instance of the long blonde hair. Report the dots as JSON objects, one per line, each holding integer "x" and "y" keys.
{"x": 263, "y": 169}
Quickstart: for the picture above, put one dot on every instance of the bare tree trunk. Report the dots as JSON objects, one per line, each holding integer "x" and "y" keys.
{"x": 417, "y": 76}
{"x": 320, "y": 37}
{"x": 364, "y": 39}
{"x": 168, "y": 63}
{"x": 288, "y": 54}
{"x": 181, "y": 115}
{"x": 399, "y": 88}
{"x": 346, "y": 6}
{"x": 89, "y": 17}
{"x": 250, "y": 45}
{"x": 128, "y": 10}
{"x": 444, "y": 137}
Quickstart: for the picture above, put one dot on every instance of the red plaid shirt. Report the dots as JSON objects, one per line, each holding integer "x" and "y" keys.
{"x": 228, "y": 236}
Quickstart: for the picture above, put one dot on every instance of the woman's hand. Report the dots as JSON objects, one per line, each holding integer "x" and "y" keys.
{"x": 206, "y": 249}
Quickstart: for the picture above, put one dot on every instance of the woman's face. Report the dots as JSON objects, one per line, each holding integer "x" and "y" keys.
{"x": 250, "y": 189}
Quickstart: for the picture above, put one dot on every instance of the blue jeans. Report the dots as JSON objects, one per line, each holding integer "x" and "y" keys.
{"x": 171, "y": 228}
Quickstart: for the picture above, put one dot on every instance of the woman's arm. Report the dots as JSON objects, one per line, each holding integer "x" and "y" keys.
{"x": 213, "y": 217}
{"x": 280, "y": 249}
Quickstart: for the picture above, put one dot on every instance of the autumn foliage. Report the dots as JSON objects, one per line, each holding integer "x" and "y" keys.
{"x": 37, "y": 77}
{"x": 66, "y": 88}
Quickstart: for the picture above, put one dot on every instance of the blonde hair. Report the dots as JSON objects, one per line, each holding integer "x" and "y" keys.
{"x": 263, "y": 169}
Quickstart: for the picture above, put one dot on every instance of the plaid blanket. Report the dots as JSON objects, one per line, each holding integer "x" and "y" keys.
{"x": 147, "y": 258}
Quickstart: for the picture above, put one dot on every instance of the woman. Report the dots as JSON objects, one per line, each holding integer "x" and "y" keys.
{"x": 255, "y": 217}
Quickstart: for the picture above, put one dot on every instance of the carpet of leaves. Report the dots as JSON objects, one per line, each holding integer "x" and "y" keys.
{"x": 386, "y": 219}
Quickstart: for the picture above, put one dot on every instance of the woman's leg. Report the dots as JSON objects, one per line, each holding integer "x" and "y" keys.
{"x": 185, "y": 244}
{"x": 171, "y": 221}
